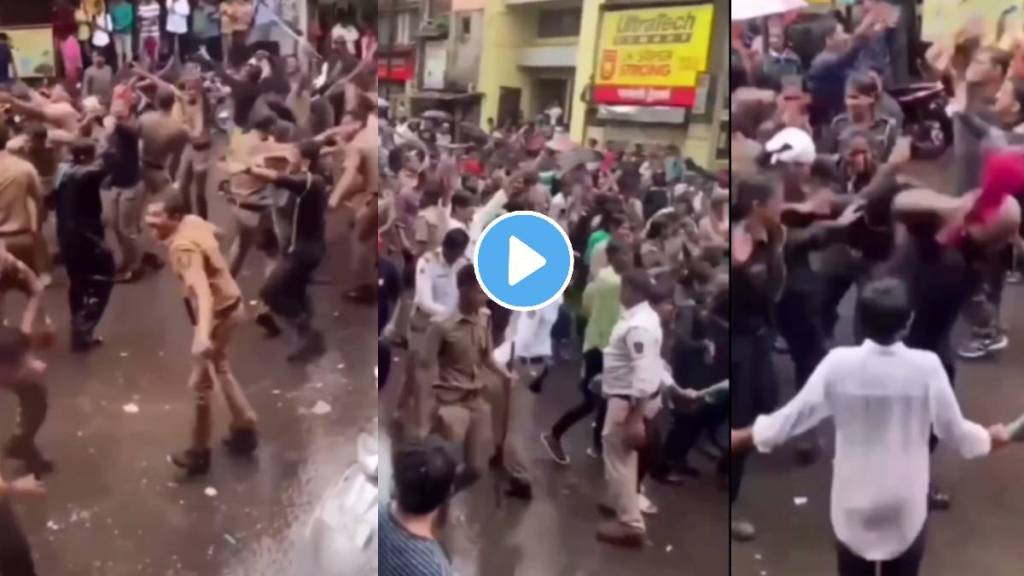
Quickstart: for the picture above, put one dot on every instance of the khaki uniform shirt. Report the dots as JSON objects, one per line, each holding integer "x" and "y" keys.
{"x": 20, "y": 195}
{"x": 246, "y": 149}
{"x": 194, "y": 248}
{"x": 163, "y": 138}
{"x": 461, "y": 344}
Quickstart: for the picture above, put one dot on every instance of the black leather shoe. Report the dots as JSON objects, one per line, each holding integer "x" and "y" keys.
{"x": 30, "y": 456}
{"x": 192, "y": 462}
{"x": 519, "y": 490}
{"x": 266, "y": 321}
{"x": 242, "y": 441}
{"x": 82, "y": 343}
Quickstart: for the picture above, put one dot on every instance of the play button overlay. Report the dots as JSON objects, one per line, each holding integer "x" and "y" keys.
{"x": 523, "y": 261}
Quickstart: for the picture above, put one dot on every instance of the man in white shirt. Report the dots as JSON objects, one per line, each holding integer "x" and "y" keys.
{"x": 885, "y": 400}
{"x": 436, "y": 296}
{"x": 633, "y": 376}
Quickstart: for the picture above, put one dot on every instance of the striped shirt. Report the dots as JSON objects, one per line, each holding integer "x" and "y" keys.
{"x": 149, "y": 19}
{"x": 405, "y": 554}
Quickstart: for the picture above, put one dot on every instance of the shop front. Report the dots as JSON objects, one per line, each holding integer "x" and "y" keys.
{"x": 396, "y": 74}
{"x": 653, "y": 80}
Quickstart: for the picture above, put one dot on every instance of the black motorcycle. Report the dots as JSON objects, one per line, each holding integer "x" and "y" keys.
{"x": 925, "y": 119}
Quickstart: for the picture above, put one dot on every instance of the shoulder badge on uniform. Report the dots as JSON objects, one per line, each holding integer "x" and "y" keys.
{"x": 182, "y": 260}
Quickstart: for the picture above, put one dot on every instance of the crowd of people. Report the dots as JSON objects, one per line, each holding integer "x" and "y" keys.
{"x": 644, "y": 320}
{"x": 123, "y": 32}
{"x": 110, "y": 154}
{"x": 824, "y": 204}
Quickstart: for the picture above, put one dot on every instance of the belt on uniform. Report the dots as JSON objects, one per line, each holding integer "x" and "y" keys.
{"x": 221, "y": 314}
{"x": 629, "y": 398}
{"x": 250, "y": 206}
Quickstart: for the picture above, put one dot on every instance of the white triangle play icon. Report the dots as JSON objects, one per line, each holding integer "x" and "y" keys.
{"x": 523, "y": 261}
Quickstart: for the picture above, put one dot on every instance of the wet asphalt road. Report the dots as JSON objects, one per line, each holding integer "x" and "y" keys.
{"x": 554, "y": 534}
{"x": 979, "y": 535}
{"x": 114, "y": 507}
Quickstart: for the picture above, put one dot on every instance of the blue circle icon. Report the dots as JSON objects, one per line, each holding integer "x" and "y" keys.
{"x": 523, "y": 261}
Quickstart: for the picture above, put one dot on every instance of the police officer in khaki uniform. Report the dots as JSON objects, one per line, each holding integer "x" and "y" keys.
{"x": 214, "y": 304}
{"x": 462, "y": 346}
{"x": 633, "y": 376}
{"x": 436, "y": 297}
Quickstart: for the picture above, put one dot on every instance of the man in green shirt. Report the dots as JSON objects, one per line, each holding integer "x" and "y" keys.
{"x": 601, "y": 306}
{"x": 122, "y": 15}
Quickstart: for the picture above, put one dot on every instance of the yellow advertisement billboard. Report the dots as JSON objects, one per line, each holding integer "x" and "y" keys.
{"x": 33, "y": 50}
{"x": 940, "y": 19}
{"x": 655, "y": 47}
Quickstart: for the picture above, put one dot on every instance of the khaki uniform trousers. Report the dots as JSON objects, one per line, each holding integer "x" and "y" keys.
{"x": 620, "y": 466}
{"x": 417, "y": 399}
{"x": 464, "y": 419}
{"x": 512, "y": 406}
{"x": 216, "y": 371}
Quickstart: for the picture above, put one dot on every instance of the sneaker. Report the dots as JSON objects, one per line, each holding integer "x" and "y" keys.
{"x": 618, "y": 534}
{"x": 938, "y": 500}
{"x": 742, "y": 530}
{"x": 554, "y": 448}
{"x": 997, "y": 342}
{"x": 780, "y": 346}
{"x": 647, "y": 507}
{"x": 973, "y": 349}
{"x": 1014, "y": 277}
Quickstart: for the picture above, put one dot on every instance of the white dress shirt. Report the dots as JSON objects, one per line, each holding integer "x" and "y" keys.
{"x": 885, "y": 400}
{"x": 632, "y": 360}
{"x": 436, "y": 294}
{"x": 531, "y": 331}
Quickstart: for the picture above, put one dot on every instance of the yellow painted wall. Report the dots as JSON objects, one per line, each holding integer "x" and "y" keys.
{"x": 586, "y": 56}
{"x": 505, "y": 33}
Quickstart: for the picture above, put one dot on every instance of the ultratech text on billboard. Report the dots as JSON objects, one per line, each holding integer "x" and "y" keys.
{"x": 659, "y": 29}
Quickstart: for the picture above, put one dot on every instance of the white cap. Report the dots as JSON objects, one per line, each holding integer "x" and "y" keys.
{"x": 791, "y": 146}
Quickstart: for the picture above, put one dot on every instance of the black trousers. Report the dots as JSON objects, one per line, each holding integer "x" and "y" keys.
{"x": 799, "y": 321}
{"x": 15, "y": 553}
{"x": 593, "y": 364}
{"x": 286, "y": 291}
{"x": 906, "y": 564}
{"x": 383, "y": 364}
{"x": 686, "y": 429}
{"x": 753, "y": 391}
{"x": 33, "y": 404}
{"x": 90, "y": 270}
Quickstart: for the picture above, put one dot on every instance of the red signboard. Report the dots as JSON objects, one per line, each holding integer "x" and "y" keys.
{"x": 396, "y": 71}
{"x": 645, "y": 96}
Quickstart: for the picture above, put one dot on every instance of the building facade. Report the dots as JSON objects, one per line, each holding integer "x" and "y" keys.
{"x": 622, "y": 71}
